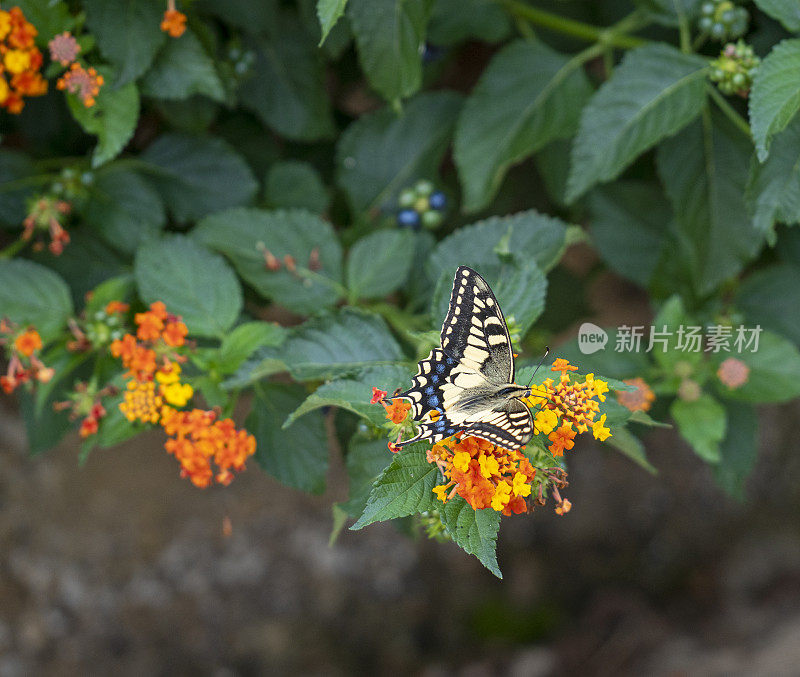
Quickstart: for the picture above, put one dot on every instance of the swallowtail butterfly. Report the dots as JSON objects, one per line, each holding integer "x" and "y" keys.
{"x": 467, "y": 385}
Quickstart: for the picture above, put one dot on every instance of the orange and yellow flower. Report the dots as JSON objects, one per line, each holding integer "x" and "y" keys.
{"x": 28, "y": 342}
{"x": 20, "y": 61}
{"x": 174, "y": 22}
{"x": 397, "y": 411}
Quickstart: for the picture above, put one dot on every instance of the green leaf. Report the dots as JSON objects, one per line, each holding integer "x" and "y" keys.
{"x": 514, "y": 111}
{"x": 118, "y": 288}
{"x": 381, "y": 153}
{"x": 390, "y": 36}
{"x": 354, "y": 394}
{"x": 774, "y": 371}
{"x": 475, "y": 531}
{"x": 251, "y": 16}
{"x": 766, "y": 295}
{"x": 297, "y": 457}
{"x": 404, "y": 488}
{"x": 625, "y": 441}
{"x": 112, "y": 119}
{"x": 667, "y": 12}
{"x": 328, "y": 13}
{"x": 35, "y": 295}
{"x": 739, "y": 449}
{"x": 197, "y": 175}
{"x": 670, "y": 317}
{"x": 775, "y": 96}
{"x": 244, "y": 340}
{"x": 629, "y": 224}
{"x": 541, "y": 237}
{"x": 773, "y": 190}
{"x": 286, "y": 90}
{"x": 245, "y": 235}
{"x": 183, "y": 68}
{"x": 128, "y": 33}
{"x": 454, "y": 21}
{"x": 704, "y": 171}
{"x": 780, "y": 10}
{"x": 654, "y": 93}
{"x": 13, "y": 167}
{"x": 379, "y": 263}
{"x": 46, "y": 428}
{"x": 193, "y": 282}
{"x": 294, "y": 184}
{"x": 366, "y": 460}
{"x": 702, "y": 424}
{"x": 124, "y": 209}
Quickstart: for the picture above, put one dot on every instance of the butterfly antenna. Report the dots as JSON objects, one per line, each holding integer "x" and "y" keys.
{"x": 546, "y": 353}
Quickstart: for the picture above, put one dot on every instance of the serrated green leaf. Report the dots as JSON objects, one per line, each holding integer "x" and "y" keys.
{"x": 454, "y": 21}
{"x": 245, "y": 235}
{"x": 404, "y": 488}
{"x": 514, "y": 111}
{"x": 626, "y": 442}
{"x": 286, "y": 87}
{"x": 738, "y": 450}
{"x": 296, "y": 185}
{"x": 366, "y": 460}
{"x": 765, "y": 296}
{"x": 128, "y": 33}
{"x": 31, "y": 294}
{"x": 244, "y": 340}
{"x": 654, "y": 93}
{"x": 328, "y": 13}
{"x": 475, "y": 531}
{"x": 297, "y": 456}
{"x": 381, "y": 153}
{"x": 193, "y": 282}
{"x": 390, "y": 35}
{"x": 788, "y": 13}
{"x": 629, "y": 224}
{"x": 124, "y": 209}
{"x": 704, "y": 171}
{"x": 181, "y": 69}
{"x": 775, "y": 96}
{"x": 379, "y": 263}
{"x": 702, "y": 423}
{"x": 112, "y": 119}
{"x": 198, "y": 175}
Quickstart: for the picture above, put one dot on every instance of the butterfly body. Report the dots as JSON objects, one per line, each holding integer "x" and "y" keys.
{"x": 467, "y": 385}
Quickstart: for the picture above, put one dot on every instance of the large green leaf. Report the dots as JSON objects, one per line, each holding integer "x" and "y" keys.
{"x": 128, "y": 33}
{"x": 112, "y": 119}
{"x": 124, "y": 209}
{"x": 738, "y": 450}
{"x": 704, "y": 171}
{"x": 35, "y": 295}
{"x": 244, "y": 340}
{"x": 629, "y": 223}
{"x": 328, "y": 13}
{"x": 198, "y": 175}
{"x": 631, "y": 446}
{"x": 192, "y": 281}
{"x": 183, "y": 68}
{"x": 404, "y": 488}
{"x": 382, "y": 153}
{"x": 454, "y": 21}
{"x": 379, "y": 263}
{"x": 296, "y": 185}
{"x": 655, "y": 92}
{"x": 775, "y": 95}
{"x": 390, "y": 35}
{"x": 767, "y": 296}
{"x": 286, "y": 89}
{"x": 473, "y": 530}
{"x": 245, "y": 235}
{"x": 773, "y": 191}
{"x": 297, "y": 456}
{"x": 702, "y": 424}
{"x": 13, "y": 167}
{"x": 786, "y": 12}
{"x": 528, "y": 96}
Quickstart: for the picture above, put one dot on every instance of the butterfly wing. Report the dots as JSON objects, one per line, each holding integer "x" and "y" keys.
{"x": 474, "y": 331}
{"x": 511, "y": 427}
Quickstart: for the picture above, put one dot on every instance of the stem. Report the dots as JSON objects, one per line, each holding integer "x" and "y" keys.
{"x": 683, "y": 28}
{"x": 18, "y": 184}
{"x": 13, "y": 248}
{"x": 614, "y": 36}
{"x": 729, "y": 111}
{"x": 608, "y": 61}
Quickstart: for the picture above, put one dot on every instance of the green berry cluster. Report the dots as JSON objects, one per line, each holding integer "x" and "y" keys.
{"x": 722, "y": 19}
{"x": 733, "y": 71}
{"x": 421, "y": 205}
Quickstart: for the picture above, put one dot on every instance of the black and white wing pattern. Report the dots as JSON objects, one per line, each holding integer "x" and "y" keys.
{"x": 458, "y": 387}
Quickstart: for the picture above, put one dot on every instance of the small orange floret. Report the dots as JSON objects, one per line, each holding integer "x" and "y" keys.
{"x": 377, "y": 395}
{"x": 89, "y": 426}
{"x": 175, "y": 333}
{"x": 174, "y": 23}
{"x": 562, "y": 438}
{"x": 28, "y": 342}
{"x": 640, "y": 399}
{"x": 114, "y": 307}
{"x": 733, "y": 373}
{"x": 397, "y": 411}
{"x": 563, "y": 365}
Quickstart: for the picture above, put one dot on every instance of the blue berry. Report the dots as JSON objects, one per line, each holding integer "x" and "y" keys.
{"x": 408, "y": 218}
{"x": 437, "y": 200}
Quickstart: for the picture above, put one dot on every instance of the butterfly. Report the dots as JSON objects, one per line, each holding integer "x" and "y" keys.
{"x": 467, "y": 385}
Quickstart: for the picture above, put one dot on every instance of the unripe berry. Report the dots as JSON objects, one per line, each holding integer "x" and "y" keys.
{"x": 406, "y": 198}
{"x": 438, "y": 200}
{"x": 424, "y": 188}
{"x": 432, "y": 219}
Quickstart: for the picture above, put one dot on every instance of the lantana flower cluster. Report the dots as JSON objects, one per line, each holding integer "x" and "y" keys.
{"x": 20, "y": 61}
{"x": 22, "y": 346}
{"x": 154, "y": 393}
{"x": 174, "y": 22}
{"x": 85, "y": 82}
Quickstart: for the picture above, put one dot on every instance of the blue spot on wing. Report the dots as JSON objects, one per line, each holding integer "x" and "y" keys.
{"x": 429, "y": 390}
{"x": 440, "y": 368}
{"x": 433, "y": 400}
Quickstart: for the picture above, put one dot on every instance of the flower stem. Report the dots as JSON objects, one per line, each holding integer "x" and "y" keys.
{"x": 13, "y": 248}
{"x": 729, "y": 111}
{"x": 614, "y": 36}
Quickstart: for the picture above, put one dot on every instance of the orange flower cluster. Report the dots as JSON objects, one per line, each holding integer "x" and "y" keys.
{"x": 46, "y": 215}
{"x": 485, "y": 475}
{"x": 85, "y": 401}
{"x": 85, "y": 82}
{"x": 569, "y": 403}
{"x": 20, "y": 61}
{"x": 198, "y": 439}
{"x": 640, "y": 399}
{"x": 174, "y": 22}
{"x": 733, "y": 373}
{"x": 23, "y": 361}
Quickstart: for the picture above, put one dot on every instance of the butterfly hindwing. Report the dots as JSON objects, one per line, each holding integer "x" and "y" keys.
{"x": 474, "y": 331}
{"x": 511, "y": 428}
